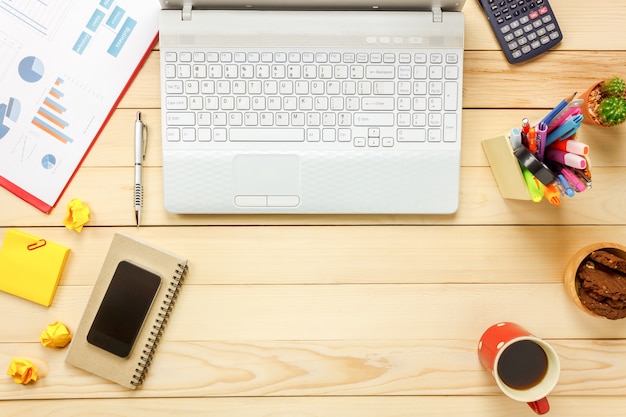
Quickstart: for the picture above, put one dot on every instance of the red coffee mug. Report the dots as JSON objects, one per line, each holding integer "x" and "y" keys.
{"x": 524, "y": 367}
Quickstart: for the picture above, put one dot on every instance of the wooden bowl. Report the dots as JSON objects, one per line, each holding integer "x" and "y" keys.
{"x": 569, "y": 278}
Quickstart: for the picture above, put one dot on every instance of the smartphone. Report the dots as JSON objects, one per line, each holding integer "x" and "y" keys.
{"x": 123, "y": 309}
{"x": 524, "y": 28}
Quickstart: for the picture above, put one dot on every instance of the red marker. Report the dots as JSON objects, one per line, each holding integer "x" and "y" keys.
{"x": 525, "y": 130}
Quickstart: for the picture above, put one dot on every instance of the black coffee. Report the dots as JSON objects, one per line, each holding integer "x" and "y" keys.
{"x": 522, "y": 365}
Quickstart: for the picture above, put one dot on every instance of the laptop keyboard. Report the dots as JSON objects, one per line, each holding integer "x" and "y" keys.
{"x": 369, "y": 99}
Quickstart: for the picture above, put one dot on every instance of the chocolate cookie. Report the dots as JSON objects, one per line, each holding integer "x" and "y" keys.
{"x": 603, "y": 282}
{"x": 600, "y": 308}
{"x": 609, "y": 260}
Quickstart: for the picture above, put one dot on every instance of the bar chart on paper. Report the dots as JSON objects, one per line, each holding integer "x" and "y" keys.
{"x": 49, "y": 117}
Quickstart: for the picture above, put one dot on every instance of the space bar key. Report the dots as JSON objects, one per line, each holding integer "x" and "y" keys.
{"x": 266, "y": 135}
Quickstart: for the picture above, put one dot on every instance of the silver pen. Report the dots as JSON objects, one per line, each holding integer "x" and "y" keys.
{"x": 140, "y": 154}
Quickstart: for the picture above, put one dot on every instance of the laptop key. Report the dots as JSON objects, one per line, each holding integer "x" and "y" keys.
{"x": 266, "y": 135}
{"x": 373, "y": 119}
{"x": 180, "y": 119}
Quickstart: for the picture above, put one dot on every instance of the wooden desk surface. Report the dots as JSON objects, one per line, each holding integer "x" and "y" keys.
{"x": 375, "y": 316}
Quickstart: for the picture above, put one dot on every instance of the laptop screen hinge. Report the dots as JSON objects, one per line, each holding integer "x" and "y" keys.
{"x": 187, "y": 10}
{"x": 437, "y": 15}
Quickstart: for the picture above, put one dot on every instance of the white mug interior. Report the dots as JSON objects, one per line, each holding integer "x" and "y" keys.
{"x": 543, "y": 387}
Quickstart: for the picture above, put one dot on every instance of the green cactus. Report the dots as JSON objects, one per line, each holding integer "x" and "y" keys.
{"x": 612, "y": 111}
{"x": 615, "y": 87}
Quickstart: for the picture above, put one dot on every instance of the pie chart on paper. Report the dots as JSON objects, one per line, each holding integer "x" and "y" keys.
{"x": 48, "y": 161}
{"x": 31, "y": 69}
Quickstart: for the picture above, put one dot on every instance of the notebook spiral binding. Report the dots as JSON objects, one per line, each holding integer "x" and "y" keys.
{"x": 159, "y": 326}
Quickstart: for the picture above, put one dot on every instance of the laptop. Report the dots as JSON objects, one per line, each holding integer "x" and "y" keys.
{"x": 311, "y": 106}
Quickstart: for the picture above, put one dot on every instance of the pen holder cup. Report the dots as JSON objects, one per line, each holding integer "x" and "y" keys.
{"x": 505, "y": 168}
{"x": 596, "y": 284}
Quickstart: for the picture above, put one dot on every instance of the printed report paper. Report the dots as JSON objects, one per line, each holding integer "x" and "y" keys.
{"x": 64, "y": 65}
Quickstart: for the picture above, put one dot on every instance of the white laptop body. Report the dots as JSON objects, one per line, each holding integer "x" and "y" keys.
{"x": 403, "y": 155}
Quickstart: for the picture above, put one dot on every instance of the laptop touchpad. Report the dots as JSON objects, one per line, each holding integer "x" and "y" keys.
{"x": 266, "y": 180}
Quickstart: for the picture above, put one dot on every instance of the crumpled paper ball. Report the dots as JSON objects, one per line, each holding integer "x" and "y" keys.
{"x": 22, "y": 371}
{"x": 76, "y": 215}
{"x": 56, "y": 335}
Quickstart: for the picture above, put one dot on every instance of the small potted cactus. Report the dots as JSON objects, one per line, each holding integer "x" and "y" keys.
{"x": 605, "y": 103}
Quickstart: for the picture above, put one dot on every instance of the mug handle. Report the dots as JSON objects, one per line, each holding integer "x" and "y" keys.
{"x": 540, "y": 406}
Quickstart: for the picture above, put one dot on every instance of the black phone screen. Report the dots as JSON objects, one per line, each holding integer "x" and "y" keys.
{"x": 123, "y": 309}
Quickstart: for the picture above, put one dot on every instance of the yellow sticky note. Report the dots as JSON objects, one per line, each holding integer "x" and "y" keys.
{"x": 31, "y": 267}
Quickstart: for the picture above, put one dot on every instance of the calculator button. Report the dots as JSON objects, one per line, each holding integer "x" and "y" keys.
{"x": 525, "y": 28}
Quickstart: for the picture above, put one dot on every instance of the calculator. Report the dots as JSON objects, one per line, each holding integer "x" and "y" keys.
{"x": 524, "y": 28}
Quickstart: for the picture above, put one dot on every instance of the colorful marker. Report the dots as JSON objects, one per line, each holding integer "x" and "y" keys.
{"x": 573, "y": 180}
{"x": 570, "y": 145}
{"x": 532, "y": 140}
{"x": 533, "y": 184}
{"x": 515, "y": 138}
{"x": 566, "y": 158}
{"x": 525, "y": 130}
{"x": 552, "y": 194}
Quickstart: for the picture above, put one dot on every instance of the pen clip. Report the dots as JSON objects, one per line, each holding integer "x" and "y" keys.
{"x": 144, "y": 135}
{"x": 145, "y": 138}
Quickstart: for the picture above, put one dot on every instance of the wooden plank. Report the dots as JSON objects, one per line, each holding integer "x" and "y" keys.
{"x": 488, "y": 406}
{"x": 311, "y": 368}
{"x": 338, "y": 312}
{"x": 347, "y": 255}
{"x": 489, "y": 80}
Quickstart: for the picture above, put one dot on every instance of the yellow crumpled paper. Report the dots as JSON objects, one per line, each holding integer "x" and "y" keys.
{"x": 56, "y": 335}
{"x": 76, "y": 215}
{"x": 23, "y": 371}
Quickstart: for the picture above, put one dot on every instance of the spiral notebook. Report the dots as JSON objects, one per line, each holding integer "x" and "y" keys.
{"x": 127, "y": 311}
